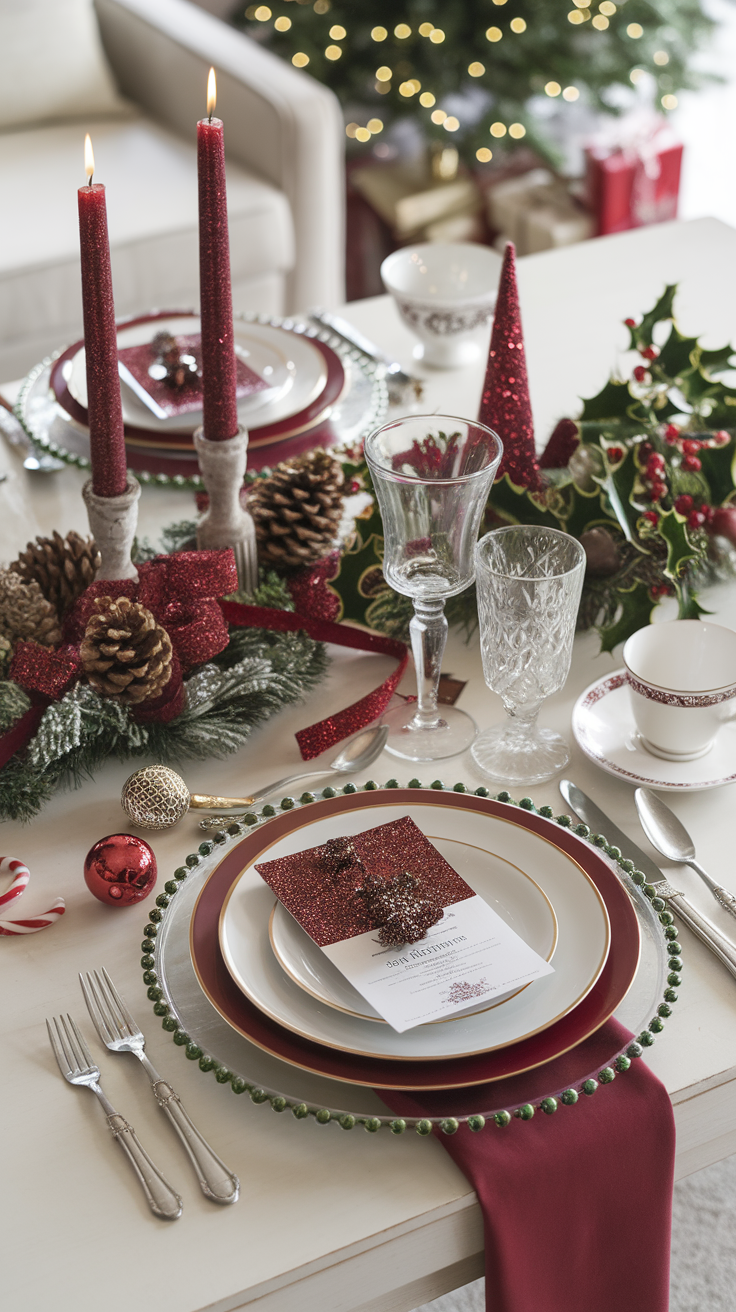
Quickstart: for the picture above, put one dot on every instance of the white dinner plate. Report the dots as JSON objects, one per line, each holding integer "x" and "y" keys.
{"x": 604, "y": 726}
{"x": 582, "y": 946}
{"x": 512, "y": 893}
{"x": 292, "y": 365}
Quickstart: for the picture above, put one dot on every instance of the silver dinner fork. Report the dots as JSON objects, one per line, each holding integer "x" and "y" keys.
{"x": 119, "y": 1032}
{"x": 75, "y": 1063}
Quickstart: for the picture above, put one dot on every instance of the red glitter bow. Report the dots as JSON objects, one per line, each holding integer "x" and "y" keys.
{"x": 319, "y": 737}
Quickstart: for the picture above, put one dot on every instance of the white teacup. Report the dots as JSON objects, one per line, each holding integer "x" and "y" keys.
{"x": 682, "y": 681}
{"x": 446, "y": 293}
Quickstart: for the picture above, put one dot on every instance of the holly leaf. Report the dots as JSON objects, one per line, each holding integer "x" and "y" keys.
{"x": 719, "y": 471}
{"x": 715, "y": 362}
{"x": 676, "y": 354}
{"x": 611, "y": 403}
{"x": 514, "y": 504}
{"x": 636, "y": 612}
{"x": 619, "y": 488}
{"x": 662, "y": 310}
{"x": 680, "y": 550}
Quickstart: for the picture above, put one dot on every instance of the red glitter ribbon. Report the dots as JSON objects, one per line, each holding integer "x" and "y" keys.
{"x": 44, "y": 670}
{"x": 319, "y": 737}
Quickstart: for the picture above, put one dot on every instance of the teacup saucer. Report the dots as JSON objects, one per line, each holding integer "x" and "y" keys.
{"x": 604, "y": 727}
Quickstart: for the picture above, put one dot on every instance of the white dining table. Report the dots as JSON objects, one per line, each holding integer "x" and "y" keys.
{"x": 327, "y": 1221}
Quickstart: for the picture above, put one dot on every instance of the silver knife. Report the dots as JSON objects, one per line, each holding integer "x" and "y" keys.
{"x": 599, "y": 822}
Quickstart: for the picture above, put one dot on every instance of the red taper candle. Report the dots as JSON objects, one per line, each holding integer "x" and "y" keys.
{"x": 220, "y": 413}
{"x": 106, "y": 439}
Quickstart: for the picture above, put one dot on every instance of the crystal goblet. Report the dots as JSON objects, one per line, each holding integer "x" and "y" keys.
{"x": 431, "y": 475}
{"x": 528, "y": 582}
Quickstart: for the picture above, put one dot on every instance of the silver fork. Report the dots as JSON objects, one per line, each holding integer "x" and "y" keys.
{"x": 119, "y": 1032}
{"x": 75, "y": 1063}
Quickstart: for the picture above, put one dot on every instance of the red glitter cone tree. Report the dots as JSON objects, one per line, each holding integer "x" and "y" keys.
{"x": 505, "y": 406}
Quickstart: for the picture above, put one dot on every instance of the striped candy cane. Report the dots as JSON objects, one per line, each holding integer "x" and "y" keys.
{"x": 21, "y": 875}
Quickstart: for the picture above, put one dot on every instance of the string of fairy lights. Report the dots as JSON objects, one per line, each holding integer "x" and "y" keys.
{"x": 385, "y": 75}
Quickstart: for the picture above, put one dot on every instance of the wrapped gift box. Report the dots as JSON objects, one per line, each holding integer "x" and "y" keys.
{"x": 633, "y": 175}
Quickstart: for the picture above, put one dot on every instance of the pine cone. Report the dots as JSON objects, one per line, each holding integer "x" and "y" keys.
{"x": 62, "y": 567}
{"x": 125, "y": 653}
{"x": 25, "y": 612}
{"x": 297, "y": 509}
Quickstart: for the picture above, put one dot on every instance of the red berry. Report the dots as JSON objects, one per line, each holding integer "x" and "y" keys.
{"x": 695, "y": 519}
{"x": 691, "y": 464}
{"x": 630, "y": 323}
{"x": 707, "y": 512}
{"x": 684, "y": 504}
{"x": 649, "y": 352}
{"x": 724, "y": 523}
{"x": 354, "y": 486}
{"x": 655, "y": 463}
{"x": 671, "y": 433}
{"x": 651, "y": 516}
{"x": 645, "y": 450}
{"x": 657, "y": 491}
{"x": 691, "y": 447}
{"x": 615, "y": 453}
{"x": 721, "y": 437}
{"x": 640, "y": 373}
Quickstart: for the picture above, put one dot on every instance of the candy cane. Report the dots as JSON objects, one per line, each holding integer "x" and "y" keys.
{"x": 21, "y": 875}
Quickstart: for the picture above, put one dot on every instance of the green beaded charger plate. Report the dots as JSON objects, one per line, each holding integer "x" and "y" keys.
{"x": 205, "y": 1037}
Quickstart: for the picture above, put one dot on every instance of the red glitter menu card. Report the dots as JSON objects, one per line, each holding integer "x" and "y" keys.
{"x": 403, "y": 927}
{"x": 169, "y": 382}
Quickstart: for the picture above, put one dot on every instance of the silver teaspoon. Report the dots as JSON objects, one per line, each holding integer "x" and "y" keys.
{"x": 670, "y": 837}
{"x": 358, "y": 752}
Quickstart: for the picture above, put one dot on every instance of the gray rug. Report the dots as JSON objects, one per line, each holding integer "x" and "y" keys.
{"x": 703, "y": 1249}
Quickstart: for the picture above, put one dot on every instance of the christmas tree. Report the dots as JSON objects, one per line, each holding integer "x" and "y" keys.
{"x": 473, "y": 68}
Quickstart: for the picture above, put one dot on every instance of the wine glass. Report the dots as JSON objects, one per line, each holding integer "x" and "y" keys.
{"x": 528, "y": 581}
{"x": 431, "y": 475}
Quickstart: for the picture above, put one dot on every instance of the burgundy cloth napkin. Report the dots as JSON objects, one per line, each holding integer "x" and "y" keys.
{"x": 577, "y": 1206}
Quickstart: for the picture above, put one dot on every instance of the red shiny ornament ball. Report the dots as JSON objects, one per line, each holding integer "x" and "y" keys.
{"x": 724, "y": 523}
{"x": 120, "y": 869}
{"x": 691, "y": 464}
{"x": 684, "y": 504}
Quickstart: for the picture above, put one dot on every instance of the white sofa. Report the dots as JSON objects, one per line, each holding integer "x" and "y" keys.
{"x": 284, "y": 145}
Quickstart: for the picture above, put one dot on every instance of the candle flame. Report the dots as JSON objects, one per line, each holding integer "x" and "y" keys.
{"x": 211, "y": 93}
{"x": 89, "y": 159}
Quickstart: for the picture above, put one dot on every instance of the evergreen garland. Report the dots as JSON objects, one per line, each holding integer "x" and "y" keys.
{"x": 257, "y": 674}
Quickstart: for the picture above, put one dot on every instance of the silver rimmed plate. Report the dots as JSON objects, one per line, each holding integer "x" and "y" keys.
{"x": 583, "y": 937}
{"x": 511, "y": 892}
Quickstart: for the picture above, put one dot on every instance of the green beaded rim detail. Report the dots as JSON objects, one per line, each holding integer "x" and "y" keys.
{"x": 367, "y": 366}
{"x": 448, "y": 1125}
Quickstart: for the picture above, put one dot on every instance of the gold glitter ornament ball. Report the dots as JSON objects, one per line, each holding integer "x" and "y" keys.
{"x": 155, "y": 797}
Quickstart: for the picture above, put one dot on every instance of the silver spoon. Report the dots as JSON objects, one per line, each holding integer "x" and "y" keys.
{"x": 358, "y": 751}
{"x": 670, "y": 837}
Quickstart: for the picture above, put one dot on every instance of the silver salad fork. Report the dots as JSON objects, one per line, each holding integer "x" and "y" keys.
{"x": 75, "y": 1063}
{"x": 119, "y": 1032}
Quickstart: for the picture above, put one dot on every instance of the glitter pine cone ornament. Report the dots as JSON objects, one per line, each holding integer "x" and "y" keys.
{"x": 402, "y": 909}
{"x": 25, "y": 613}
{"x": 61, "y": 566}
{"x": 297, "y": 510}
{"x": 125, "y": 653}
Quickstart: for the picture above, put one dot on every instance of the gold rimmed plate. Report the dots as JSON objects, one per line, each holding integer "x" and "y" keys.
{"x": 512, "y": 893}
